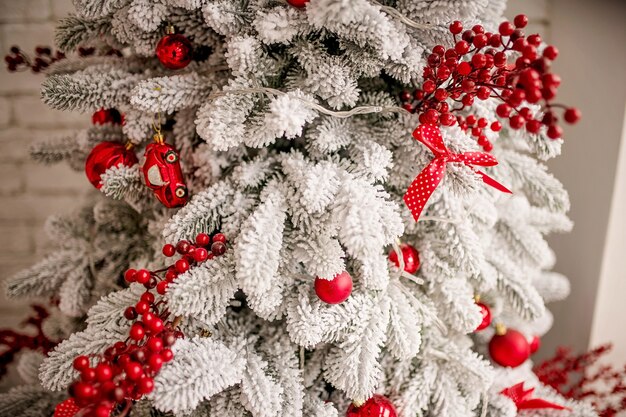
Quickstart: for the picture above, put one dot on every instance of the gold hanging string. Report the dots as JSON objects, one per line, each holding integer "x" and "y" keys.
{"x": 156, "y": 125}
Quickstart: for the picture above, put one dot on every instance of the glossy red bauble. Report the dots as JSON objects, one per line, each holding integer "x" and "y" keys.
{"x": 174, "y": 51}
{"x": 409, "y": 255}
{"x": 336, "y": 290}
{"x": 104, "y": 156}
{"x": 107, "y": 116}
{"x": 377, "y": 406}
{"x": 298, "y": 3}
{"x": 509, "y": 348}
{"x": 486, "y": 314}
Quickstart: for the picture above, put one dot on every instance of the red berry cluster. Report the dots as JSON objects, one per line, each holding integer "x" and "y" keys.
{"x": 505, "y": 65}
{"x": 107, "y": 116}
{"x": 17, "y": 60}
{"x": 125, "y": 371}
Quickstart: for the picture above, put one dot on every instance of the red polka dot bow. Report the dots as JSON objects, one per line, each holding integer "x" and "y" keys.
{"x": 523, "y": 401}
{"x": 67, "y": 408}
{"x": 428, "y": 180}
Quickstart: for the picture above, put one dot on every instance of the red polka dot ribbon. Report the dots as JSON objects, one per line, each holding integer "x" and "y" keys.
{"x": 67, "y": 408}
{"x": 428, "y": 180}
{"x": 523, "y": 401}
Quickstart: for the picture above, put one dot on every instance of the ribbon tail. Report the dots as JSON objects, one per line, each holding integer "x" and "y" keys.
{"x": 423, "y": 186}
{"x": 538, "y": 403}
{"x": 493, "y": 183}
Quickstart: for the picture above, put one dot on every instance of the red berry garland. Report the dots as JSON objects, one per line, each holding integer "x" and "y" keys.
{"x": 125, "y": 371}
{"x": 506, "y": 65}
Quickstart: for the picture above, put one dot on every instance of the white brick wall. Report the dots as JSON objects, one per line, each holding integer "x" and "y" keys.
{"x": 29, "y": 192}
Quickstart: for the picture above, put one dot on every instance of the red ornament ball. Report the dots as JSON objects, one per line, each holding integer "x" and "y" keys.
{"x": 174, "y": 51}
{"x": 535, "y": 344}
{"x": 336, "y": 290}
{"x": 509, "y": 348}
{"x": 104, "y": 156}
{"x": 107, "y": 116}
{"x": 377, "y": 406}
{"x": 67, "y": 408}
{"x": 298, "y": 3}
{"x": 486, "y": 313}
{"x": 410, "y": 255}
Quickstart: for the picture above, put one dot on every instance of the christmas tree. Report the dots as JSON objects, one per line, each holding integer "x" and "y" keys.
{"x": 308, "y": 208}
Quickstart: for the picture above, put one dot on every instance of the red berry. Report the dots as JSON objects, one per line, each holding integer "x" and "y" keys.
{"x": 572, "y": 115}
{"x": 439, "y": 50}
{"x": 506, "y": 28}
{"x": 461, "y": 47}
{"x": 219, "y": 237}
{"x": 143, "y": 276}
{"x": 133, "y": 370}
{"x": 80, "y": 363}
{"x": 464, "y": 68}
{"x": 482, "y": 139}
{"x": 551, "y": 80}
{"x": 183, "y": 247}
{"x": 145, "y": 385}
{"x": 218, "y": 248}
{"x": 468, "y": 86}
{"x": 533, "y": 95}
{"x": 479, "y": 60}
{"x": 155, "y": 325}
{"x": 130, "y": 275}
{"x": 456, "y": 27}
{"x": 551, "y": 52}
{"x": 418, "y": 94}
{"x": 169, "y": 250}
{"x": 483, "y": 93}
{"x": 202, "y": 239}
{"x": 431, "y": 116}
{"x": 476, "y": 131}
{"x": 548, "y": 93}
{"x": 88, "y": 374}
{"x": 200, "y": 255}
{"x": 137, "y": 332}
{"x": 103, "y": 410}
{"x": 516, "y": 121}
{"x": 82, "y": 390}
{"x": 155, "y": 362}
{"x": 471, "y": 120}
{"x": 404, "y": 97}
{"x": 480, "y": 41}
{"x": 533, "y": 126}
{"x": 142, "y": 307}
{"x": 496, "y": 126}
{"x": 104, "y": 372}
{"x": 467, "y": 100}
{"x": 130, "y": 313}
{"x": 182, "y": 266}
{"x": 155, "y": 344}
{"x": 468, "y": 36}
{"x": 167, "y": 355}
{"x": 433, "y": 61}
{"x": 482, "y": 122}
{"x": 171, "y": 274}
{"x": 555, "y": 132}
{"x": 429, "y": 86}
{"x": 534, "y": 40}
{"x": 521, "y": 20}
{"x": 487, "y": 146}
{"x": 495, "y": 40}
{"x": 447, "y": 119}
{"x": 530, "y": 52}
{"x": 162, "y": 287}
{"x": 408, "y": 107}
{"x": 443, "y": 73}
{"x": 499, "y": 59}
{"x": 441, "y": 94}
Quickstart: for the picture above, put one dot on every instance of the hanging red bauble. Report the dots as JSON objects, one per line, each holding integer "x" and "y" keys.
{"x": 163, "y": 175}
{"x": 336, "y": 290}
{"x": 509, "y": 347}
{"x": 377, "y": 406}
{"x": 107, "y": 116}
{"x": 174, "y": 50}
{"x": 410, "y": 255}
{"x": 298, "y": 3}
{"x": 67, "y": 408}
{"x": 486, "y": 313}
{"x": 535, "y": 344}
{"x": 106, "y": 155}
